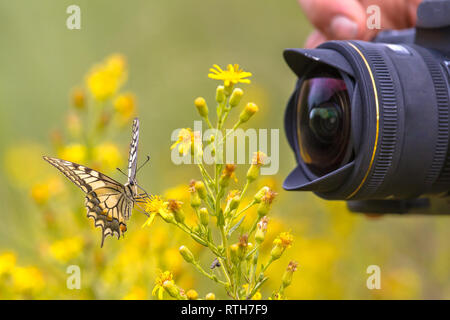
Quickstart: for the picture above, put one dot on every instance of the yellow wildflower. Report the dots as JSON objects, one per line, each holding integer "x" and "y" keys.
{"x": 227, "y": 174}
{"x": 108, "y": 156}
{"x": 27, "y": 279}
{"x": 158, "y": 289}
{"x": 285, "y": 239}
{"x": 66, "y": 249}
{"x": 280, "y": 244}
{"x": 257, "y": 296}
{"x": 154, "y": 206}
{"x": 7, "y": 262}
{"x": 105, "y": 79}
{"x": 192, "y": 294}
{"x": 74, "y": 152}
{"x": 231, "y": 76}
{"x": 185, "y": 140}
{"x": 125, "y": 105}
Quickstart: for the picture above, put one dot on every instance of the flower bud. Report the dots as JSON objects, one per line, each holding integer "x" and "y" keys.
{"x": 220, "y": 94}
{"x": 227, "y": 174}
{"x": 276, "y": 252}
{"x": 249, "y": 110}
{"x": 204, "y": 216}
{"x": 261, "y": 230}
{"x": 78, "y": 97}
{"x": 201, "y": 106}
{"x": 210, "y": 296}
{"x": 260, "y": 194}
{"x": 192, "y": 294}
{"x": 174, "y": 206}
{"x": 236, "y": 97}
{"x": 287, "y": 276}
{"x": 253, "y": 173}
{"x": 195, "y": 197}
{"x": 266, "y": 203}
{"x": 186, "y": 254}
{"x": 171, "y": 288}
{"x": 242, "y": 246}
{"x": 249, "y": 249}
{"x": 234, "y": 252}
{"x": 200, "y": 188}
{"x": 167, "y": 216}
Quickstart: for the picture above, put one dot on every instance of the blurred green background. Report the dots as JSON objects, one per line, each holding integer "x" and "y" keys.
{"x": 169, "y": 46}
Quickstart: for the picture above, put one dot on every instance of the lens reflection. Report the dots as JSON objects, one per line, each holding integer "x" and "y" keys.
{"x": 324, "y": 123}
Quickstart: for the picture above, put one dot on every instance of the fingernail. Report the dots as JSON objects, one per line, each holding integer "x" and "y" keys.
{"x": 343, "y": 28}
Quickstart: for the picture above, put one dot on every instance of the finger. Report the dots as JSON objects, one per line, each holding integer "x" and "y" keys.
{"x": 336, "y": 19}
{"x": 314, "y": 39}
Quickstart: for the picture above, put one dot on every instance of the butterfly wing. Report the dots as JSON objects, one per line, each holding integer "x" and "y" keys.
{"x": 106, "y": 199}
{"x": 132, "y": 157}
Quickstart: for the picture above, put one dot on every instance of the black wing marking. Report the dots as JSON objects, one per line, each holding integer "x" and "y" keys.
{"x": 106, "y": 199}
{"x": 132, "y": 157}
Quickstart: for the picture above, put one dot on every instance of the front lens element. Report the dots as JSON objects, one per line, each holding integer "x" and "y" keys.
{"x": 323, "y": 123}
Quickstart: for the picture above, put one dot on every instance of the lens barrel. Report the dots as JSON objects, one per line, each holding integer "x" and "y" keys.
{"x": 380, "y": 129}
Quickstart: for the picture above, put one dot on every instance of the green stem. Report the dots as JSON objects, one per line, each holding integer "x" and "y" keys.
{"x": 210, "y": 276}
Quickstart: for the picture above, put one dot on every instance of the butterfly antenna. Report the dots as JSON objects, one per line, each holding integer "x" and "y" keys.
{"x": 118, "y": 169}
{"x": 145, "y": 162}
{"x": 140, "y": 209}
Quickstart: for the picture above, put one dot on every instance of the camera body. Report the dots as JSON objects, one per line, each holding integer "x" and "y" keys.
{"x": 369, "y": 122}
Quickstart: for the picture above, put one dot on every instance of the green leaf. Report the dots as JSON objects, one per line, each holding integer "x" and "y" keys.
{"x": 235, "y": 226}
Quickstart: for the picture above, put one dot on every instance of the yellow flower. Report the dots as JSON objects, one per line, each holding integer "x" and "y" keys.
{"x": 280, "y": 244}
{"x": 154, "y": 206}
{"x": 125, "y": 105}
{"x": 192, "y": 294}
{"x": 105, "y": 79}
{"x": 66, "y": 249}
{"x": 158, "y": 289}
{"x": 7, "y": 262}
{"x": 27, "y": 279}
{"x": 231, "y": 76}
{"x": 285, "y": 239}
{"x": 108, "y": 156}
{"x": 185, "y": 140}
{"x": 257, "y": 296}
{"x": 74, "y": 152}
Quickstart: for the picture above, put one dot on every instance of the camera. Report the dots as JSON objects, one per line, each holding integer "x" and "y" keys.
{"x": 369, "y": 122}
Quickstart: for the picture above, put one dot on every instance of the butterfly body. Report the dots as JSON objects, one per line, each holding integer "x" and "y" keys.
{"x": 107, "y": 201}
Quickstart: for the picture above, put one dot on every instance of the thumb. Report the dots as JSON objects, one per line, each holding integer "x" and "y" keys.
{"x": 337, "y": 20}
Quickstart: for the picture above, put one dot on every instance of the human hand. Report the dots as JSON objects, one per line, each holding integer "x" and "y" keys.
{"x": 346, "y": 19}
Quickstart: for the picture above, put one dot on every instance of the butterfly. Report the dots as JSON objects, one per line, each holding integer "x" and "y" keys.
{"x": 108, "y": 202}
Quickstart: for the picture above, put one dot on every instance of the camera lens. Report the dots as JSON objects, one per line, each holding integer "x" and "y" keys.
{"x": 323, "y": 125}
